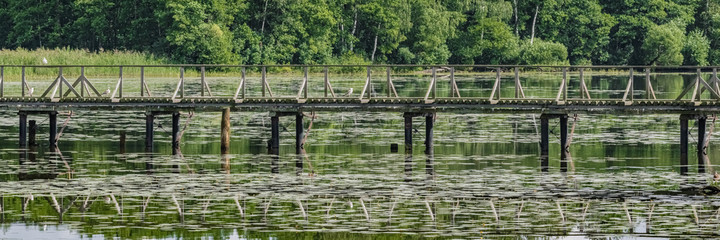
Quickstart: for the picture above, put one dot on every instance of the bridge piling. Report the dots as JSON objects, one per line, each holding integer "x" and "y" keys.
{"x": 684, "y": 143}
{"x": 563, "y": 143}
{"x": 225, "y": 132}
{"x": 23, "y": 129}
{"x": 701, "y": 143}
{"x": 429, "y": 124}
{"x": 32, "y": 130}
{"x": 175, "y": 133}
{"x": 149, "y": 131}
{"x": 544, "y": 141}
{"x": 299, "y": 132}
{"x": 274, "y": 135}
{"x": 53, "y": 129}
{"x": 408, "y": 133}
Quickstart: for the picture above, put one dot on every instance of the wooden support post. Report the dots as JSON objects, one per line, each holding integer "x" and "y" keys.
{"x": 389, "y": 84}
{"x": 499, "y": 83}
{"x": 429, "y": 124}
{"x": 299, "y": 132}
{"x": 175, "y": 133}
{"x": 32, "y": 131}
{"x": 202, "y": 81}
{"x": 563, "y": 143}
{"x": 149, "y": 131}
{"x": 2, "y": 78}
{"x": 182, "y": 82}
{"x": 264, "y": 81}
{"x": 408, "y": 133}
{"x": 684, "y": 143}
{"x": 53, "y": 130}
{"x": 275, "y": 135}
{"x": 142, "y": 81}
{"x": 23, "y": 130}
{"x": 225, "y": 132}
{"x": 123, "y": 136}
{"x": 701, "y": 144}
{"x": 517, "y": 82}
{"x": 544, "y": 142}
{"x": 327, "y": 82}
{"x": 24, "y": 82}
{"x": 120, "y": 84}
{"x": 565, "y": 84}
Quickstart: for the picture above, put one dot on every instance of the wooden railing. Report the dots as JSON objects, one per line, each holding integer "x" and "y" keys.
{"x": 82, "y": 87}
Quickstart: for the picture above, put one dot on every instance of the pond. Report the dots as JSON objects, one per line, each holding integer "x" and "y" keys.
{"x": 483, "y": 181}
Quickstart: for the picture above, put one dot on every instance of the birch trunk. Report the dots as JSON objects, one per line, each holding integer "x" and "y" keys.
{"x": 532, "y": 35}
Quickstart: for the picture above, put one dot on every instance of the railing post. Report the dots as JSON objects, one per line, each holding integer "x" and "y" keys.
{"x": 120, "y": 85}
{"x": 24, "y": 83}
{"x": 263, "y": 81}
{"x": 389, "y": 86}
{"x": 717, "y": 85}
{"x": 2, "y": 78}
{"x": 325, "y": 70}
{"x": 632, "y": 86}
{"x": 648, "y": 94}
{"x": 59, "y": 81}
{"x": 202, "y": 81}
{"x": 82, "y": 83}
{"x": 517, "y": 82}
{"x": 452, "y": 81}
{"x": 305, "y": 83}
{"x": 142, "y": 81}
{"x": 582, "y": 83}
{"x": 499, "y": 83}
{"x": 434, "y": 82}
{"x": 368, "y": 85}
{"x": 565, "y": 84}
{"x": 182, "y": 82}
{"x": 242, "y": 88}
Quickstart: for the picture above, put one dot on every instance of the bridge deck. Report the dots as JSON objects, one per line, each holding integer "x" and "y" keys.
{"x": 480, "y": 105}
{"x": 697, "y": 97}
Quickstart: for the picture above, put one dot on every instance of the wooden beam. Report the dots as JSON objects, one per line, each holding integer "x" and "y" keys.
{"x": 650, "y": 91}
{"x": 496, "y": 86}
{"x": 241, "y": 87}
{"x": 629, "y": 89}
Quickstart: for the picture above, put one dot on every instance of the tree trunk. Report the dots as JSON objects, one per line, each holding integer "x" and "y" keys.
{"x": 262, "y": 27}
{"x": 352, "y": 44}
{"x": 516, "y": 18}
{"x": 372, "y": 58}
{"x": 532, "y": 34}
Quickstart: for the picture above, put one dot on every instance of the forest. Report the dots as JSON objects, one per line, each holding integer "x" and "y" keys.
{"x": 548, "y": 32}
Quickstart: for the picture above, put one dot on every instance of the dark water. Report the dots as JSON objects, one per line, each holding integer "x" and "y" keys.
{"x": 483, "y": 181}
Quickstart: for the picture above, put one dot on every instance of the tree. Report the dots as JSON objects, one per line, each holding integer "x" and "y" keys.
{"x": 194, "y": 36}
{"x": 542, "y": 52}
{"x": 581, "y": 26}
{"x": 695, "y": 51}
{"x": 662, "y": 45}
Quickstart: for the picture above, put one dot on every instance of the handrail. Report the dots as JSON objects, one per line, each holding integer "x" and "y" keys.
{"x": 372, "y": 66}
{"x": 367, "y": 93}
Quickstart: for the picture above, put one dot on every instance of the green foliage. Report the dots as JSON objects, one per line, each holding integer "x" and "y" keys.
{"x": 193, "y": 36}
{"x": 663, "y": 45}
{"x": 379, "y": 31}
{"x": 580, "y": 25}
{"x": 543, "y": 53}
{"x": 696, "y": 49}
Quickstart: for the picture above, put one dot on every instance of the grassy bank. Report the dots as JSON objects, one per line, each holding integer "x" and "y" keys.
{"x": 66, "y": 56}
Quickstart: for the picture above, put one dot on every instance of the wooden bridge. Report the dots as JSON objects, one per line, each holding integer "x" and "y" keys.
{"x": 81, "y": 94}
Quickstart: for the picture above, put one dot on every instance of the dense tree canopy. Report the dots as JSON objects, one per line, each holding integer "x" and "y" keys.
{"x": 653, "y": 32}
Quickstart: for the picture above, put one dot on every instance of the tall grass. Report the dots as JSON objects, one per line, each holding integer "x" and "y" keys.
{"x": 67, "y": 56}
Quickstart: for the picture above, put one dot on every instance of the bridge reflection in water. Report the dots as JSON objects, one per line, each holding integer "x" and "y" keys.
{"x": 698, "y": 100}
